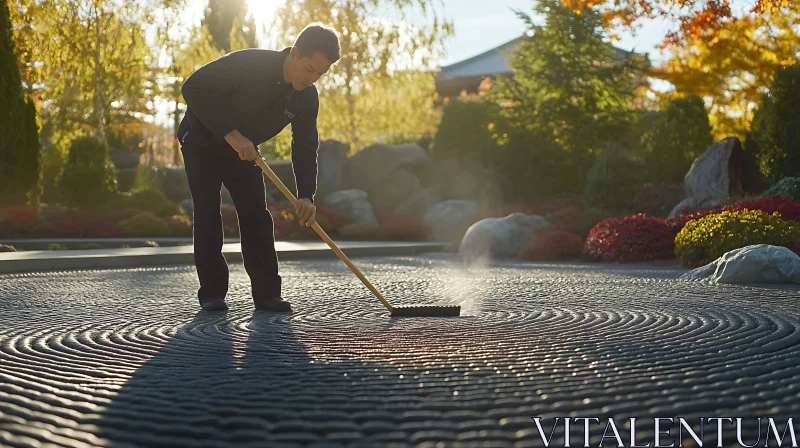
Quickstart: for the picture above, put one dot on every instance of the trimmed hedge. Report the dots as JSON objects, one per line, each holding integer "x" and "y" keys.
{"x": 144, "y": 224}
{"x": 630, "y": 238}
{"x": 704, "y": 240}
{"x": 553, "y": 244}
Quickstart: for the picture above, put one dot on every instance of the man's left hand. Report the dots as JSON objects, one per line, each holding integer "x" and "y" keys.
{"x": 306, "y": 211}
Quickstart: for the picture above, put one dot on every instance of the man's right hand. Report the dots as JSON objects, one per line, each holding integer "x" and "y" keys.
{"x": 242, "y": 145}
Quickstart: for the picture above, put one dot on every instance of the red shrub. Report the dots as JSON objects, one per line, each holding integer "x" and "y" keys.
{"x": 20, "y": 214}
{"x": 630, "y": 238}
{"x": 82, "y": 224}
{"x": 21, "y": 221}
{"x": 564, "y": 218}
{"x": 677, "y": 223}
{"x": 336, "y": 220}
{"x": 403, "y": 227}
{"x": 786, "y": 206}
{"x": 284, "y": 219}
{"x": 553, "y": 244}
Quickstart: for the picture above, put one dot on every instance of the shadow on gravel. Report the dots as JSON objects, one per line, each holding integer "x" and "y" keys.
{"x": 249, "y": 381}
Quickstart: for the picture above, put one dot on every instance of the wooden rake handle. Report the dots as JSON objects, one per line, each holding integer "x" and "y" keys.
{"x": 289, "y": 195}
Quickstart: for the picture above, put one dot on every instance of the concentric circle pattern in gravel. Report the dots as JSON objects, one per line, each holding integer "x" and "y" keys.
{"x": 122, "y": 357}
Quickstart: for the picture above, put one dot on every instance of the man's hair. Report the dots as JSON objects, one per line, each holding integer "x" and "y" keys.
{"x": 317, "y": 37}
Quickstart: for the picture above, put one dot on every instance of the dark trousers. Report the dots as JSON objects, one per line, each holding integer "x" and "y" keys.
{"x": 209, "y": 166}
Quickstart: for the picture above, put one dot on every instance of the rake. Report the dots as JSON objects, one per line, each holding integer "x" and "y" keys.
{"x": 410, "y": 311}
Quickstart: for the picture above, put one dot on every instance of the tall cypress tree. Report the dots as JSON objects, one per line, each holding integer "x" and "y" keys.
{"x": 221, "y": 17}
{"x": 20, "y": 151}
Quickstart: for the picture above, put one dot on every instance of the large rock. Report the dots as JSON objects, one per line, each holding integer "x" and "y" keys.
{"x": 395, "y": 188}
{"x": 500, "y": 237}
{"x": 188, "y": 206}
{"x": 418, "y": 203}
{"x": 373, "y": 164}
{"x": 714, "y": 177}
{"x": 352, "y": 205}
{"x": 759, "y": 263}
{"x": 330, "y": 163}
{"x": 449, "y": 219}
{"x": 359, "y": 230}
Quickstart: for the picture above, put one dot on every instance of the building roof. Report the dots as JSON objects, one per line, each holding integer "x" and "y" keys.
{"x": 491, "y": 62}
{"x": 468, "y": 74}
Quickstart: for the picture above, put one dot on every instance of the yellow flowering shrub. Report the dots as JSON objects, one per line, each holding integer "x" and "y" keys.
{"x": 703, "y": 240}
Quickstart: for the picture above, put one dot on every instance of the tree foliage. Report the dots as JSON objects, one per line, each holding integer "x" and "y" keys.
{"x": 731, "y": 66}
{"x": 227, "y": 21}
{"x": 571, "y": 93}
{"x": 696, "y": 18}
{"x": 776, "y": 126}
{"x": 681, "y": 134}
{"x": 20, "y": 154}
{"x": 88, "y": 62}
{"x": 373, "y": 50}
{"x": 88, "y": 178}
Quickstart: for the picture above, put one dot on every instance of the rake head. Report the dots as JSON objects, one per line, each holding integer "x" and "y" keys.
{"x": 426, "y": 310}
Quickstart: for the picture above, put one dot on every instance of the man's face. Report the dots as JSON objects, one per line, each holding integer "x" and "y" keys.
{"x": 307, "y": 70}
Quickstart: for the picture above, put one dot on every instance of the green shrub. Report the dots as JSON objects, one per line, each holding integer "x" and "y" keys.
{"x": 704, "y": 240}
{"x": 168, "y": 179}
{"x": 613, "y": 180}
{"x": 88, "y": 178}
{"x": 20, "y": 151}
{"x": 174, "y": 182}
{"x": 788, "y": 186}
{"x": 776, "y": 126}
{"x": 463, "y": 146}
{"x": 180, "y": 225}
{"x": 151, "y": 200}
{"x": 146, "y": 178}
{"x": 680, "y": 135}
{"x": 753, "y": 182}
{"x": 56, "y": 246}
{"x": 144, "y": 224}
{"x": 466, "y": 130}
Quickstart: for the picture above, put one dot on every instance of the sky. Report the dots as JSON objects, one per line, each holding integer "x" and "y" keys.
{"x": 479, "y": 25}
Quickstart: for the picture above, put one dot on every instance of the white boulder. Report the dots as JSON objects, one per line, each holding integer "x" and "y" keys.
{"x": 500, "y": 237}
{"x": 449, "y": 219}
{"x": 352, "y": 205}
{"x": 759, "y": 263}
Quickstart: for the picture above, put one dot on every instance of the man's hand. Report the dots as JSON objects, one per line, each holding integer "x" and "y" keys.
{"x": 243, "y": 146}
{"x": 306, "y": 211}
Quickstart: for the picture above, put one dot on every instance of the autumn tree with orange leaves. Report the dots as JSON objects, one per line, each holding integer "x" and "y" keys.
{"x": 726, "y": 57}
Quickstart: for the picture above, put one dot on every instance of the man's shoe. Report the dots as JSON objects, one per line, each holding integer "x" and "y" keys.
{"x": 214, "y": 304}
{"x": 273, "y": 304}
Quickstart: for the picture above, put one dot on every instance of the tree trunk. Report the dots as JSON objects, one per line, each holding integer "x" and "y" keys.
{"x": 98, "y": 100}
{"x": 176, "y": 121}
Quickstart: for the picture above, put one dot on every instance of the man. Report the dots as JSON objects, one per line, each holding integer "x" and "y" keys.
{"x": 233, "y": 104}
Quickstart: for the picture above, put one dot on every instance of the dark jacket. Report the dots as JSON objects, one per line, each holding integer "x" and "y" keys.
{"x": 245, "y": 90}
